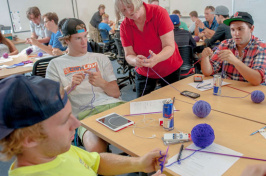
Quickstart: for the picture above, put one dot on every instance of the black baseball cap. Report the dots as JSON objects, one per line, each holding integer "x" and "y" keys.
{"x": 240, "y": 16}
{"x": 69, "y": 27}
{"x": 26, "y": 101}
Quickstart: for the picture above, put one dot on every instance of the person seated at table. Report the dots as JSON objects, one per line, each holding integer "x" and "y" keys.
{"x": 51, "y": 23}
{"x": 156, "y": 2}
{"x": 182, "y": 25}
{"x": 6, "y": 46}
{"x": 242, "y": 58}
{"x": 194, "y": 17}
{"x": 39, "y": 131}
{"x": 182, "y": 37}
{"x": 223, "y": 31}
{"x": 105, "y": 25}
{"x": 207, "y": 28}
{"x": 87, "y": 77}
{"x": 37, "y": 27}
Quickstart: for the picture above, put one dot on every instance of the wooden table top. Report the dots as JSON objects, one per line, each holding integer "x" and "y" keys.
{"x": 5, "y": 72}
{"x": 230, "y": 131}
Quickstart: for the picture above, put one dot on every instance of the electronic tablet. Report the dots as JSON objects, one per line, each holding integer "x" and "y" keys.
{"x": 115, "y": 121}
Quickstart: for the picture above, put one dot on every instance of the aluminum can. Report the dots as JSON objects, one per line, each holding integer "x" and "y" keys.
{"x": 217, "y": 84}
{"x": 168, "y": 115}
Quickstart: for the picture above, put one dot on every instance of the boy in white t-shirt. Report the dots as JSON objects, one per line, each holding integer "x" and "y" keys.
{"x": 88, "y": 79}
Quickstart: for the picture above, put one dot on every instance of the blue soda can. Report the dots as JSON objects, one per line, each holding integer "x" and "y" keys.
{"x": 217, "y": 84}
{"x": 168, "y": 115}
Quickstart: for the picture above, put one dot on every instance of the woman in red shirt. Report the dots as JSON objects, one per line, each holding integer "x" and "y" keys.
{"x": 147, "y": 30}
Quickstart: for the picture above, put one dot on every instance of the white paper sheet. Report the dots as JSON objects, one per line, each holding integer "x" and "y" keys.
{"x": 3, "y": 66}
{"x": 146, "y": 106}
{"x": 3, "y": 60}
{"x": 205, "y": 85}
{"x": 204, "y": 164}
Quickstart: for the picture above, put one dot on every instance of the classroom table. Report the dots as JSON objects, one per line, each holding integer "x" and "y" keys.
{"x": 230, "y": 131}
{"x": 238, "y": 107}
{"x": 4, "y": 72}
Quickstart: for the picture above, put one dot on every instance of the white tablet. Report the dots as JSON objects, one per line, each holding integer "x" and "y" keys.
{"x": 115, "y": 121}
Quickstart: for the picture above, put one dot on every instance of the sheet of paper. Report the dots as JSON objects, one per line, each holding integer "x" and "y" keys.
{"x": 3, "y": 60}
{"x": 205, "y": 85}
{"x": 28, "y": 65}
{"x": 3, "y": 66}
{"x": 146, "y": 106}
{"x": 204, "y": 164}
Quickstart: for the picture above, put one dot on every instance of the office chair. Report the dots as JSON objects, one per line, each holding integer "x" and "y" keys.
{"x": 39, "y": 67}
{"x": 188, "y": 68}
{"x": 125, "y": 67}
{"x": 108, "y": 42}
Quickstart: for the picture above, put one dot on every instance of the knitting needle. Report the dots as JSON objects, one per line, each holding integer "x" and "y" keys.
{"x": 257, "y": 131}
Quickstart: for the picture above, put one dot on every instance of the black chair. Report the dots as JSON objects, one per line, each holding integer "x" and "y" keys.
{"x": 189, "y": 59}
{"x": 109, "y": 45}
{"x": 125, "y": 67}
{"x": 95, "y": 47}
{"x": 39, "y": 67}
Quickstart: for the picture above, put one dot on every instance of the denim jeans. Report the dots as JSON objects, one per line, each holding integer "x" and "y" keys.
{"x": 140, "y": 82}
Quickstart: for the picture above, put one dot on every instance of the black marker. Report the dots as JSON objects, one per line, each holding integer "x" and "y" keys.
{"x": 180, "y": 152}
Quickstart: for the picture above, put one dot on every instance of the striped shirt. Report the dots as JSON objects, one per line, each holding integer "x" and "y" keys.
{"x": 254, "y": 56}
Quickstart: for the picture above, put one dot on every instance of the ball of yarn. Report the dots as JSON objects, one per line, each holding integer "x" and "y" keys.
{"x": 201, "y": 108}
{"x": 29, "y": 51}
{"x": 5, "y": 55}
{"x": 196, "y": 38}
{"x": 40, "y": 54}
{"x": 202, "y": 135}
{"x": 257, "y": 96}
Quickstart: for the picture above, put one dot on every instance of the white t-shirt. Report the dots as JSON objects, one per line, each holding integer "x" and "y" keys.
{"x": 62, "y": 69}
{"x": 40, "y": 30}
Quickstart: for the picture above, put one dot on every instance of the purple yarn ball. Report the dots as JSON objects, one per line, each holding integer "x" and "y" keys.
{"x": 5, "y": 55}
{"x": 202, "y": 135}
{"x": 201, "y": 108}
{"x": 257, "y": 96}
{"x": 196, "y": 38}
{"x": 40, "y": 54}
{"x": 29, "y": 51}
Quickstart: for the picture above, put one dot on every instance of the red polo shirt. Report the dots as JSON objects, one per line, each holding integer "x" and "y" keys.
{"x": 157, "y": 24}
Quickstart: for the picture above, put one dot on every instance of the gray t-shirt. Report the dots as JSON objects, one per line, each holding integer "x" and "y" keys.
{"x": 62, "y": 69}
{"x": 40, "y": 30}
{"x": 3, "y": 49}
{"x": 96, "y": 19}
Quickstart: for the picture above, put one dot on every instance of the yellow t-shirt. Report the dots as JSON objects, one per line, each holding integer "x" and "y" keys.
{"x": 74, "y": 162}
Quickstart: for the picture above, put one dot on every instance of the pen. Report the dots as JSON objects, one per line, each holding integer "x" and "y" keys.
{"x": 180, "y": 152}
{"x": 257, "y": 131}
{"x": 204, "y": 85}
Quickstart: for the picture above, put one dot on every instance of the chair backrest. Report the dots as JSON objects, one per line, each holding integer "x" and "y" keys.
{"x": 39, "y": 67}
{"x": 105, "y": 35}
{"x": 94, "y": 46}
{"x": 186, "y": 53}
{"x": 119, "y": 47}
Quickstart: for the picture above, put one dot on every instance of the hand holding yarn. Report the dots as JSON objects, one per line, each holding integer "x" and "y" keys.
{"x": 257, "y": 96}
{"x": 202, "y": 135}
{"x": 227, "y": 55}
{"x": 95, "y": 78}
{"x": 201, "y": 108}
{"x": 151, "y": 60}
{"x": 76, "y": 80}
{"x": 207, "y": 52}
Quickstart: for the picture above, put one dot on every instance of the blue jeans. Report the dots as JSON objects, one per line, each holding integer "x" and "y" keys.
{"x": 140, "y": 82}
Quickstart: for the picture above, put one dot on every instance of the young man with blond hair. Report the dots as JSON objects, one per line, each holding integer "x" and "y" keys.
{"x": 87, "y": 77}
{"x": 105, "y": 25}
{"x": 38, "y": 132}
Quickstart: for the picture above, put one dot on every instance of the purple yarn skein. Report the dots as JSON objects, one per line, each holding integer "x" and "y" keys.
{"x": 257, "y": 96}
{"x": 29, "y": 51}
{"x": 202, "y": 135}
{"x": 201, "y": 108}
